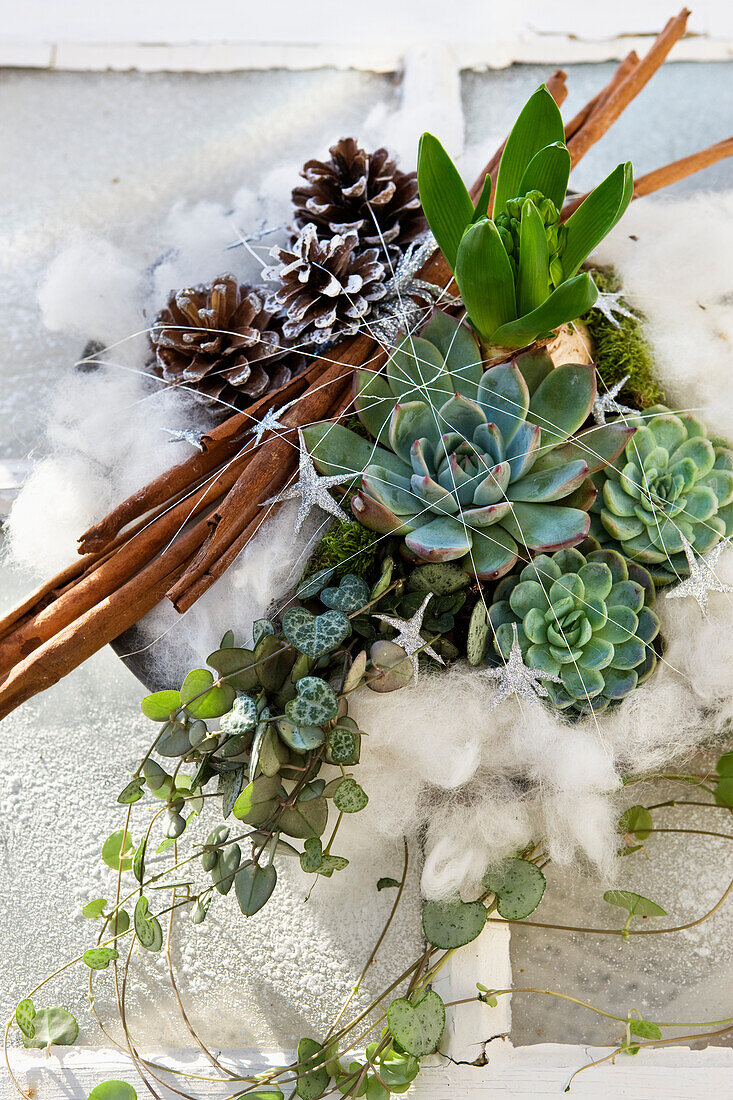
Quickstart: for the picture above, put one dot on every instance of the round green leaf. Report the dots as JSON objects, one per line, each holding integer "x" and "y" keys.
{"x": 645, "y": 1029}
{"x": 518, "y": 886}
{"x": 253, "y": 886}
{"x": 638, "y": 821}
{"x": 305, "y": 819}
{"x": 226, "y": 868}
{"x": 313, "y": 1077}
{"x": 133, "y": 792}
{"x": 478, "y": 632}
{"x": 417, "y": 1027}
{"x": 147, "y": 928}
{"x": 161, "y": 705}
{"x": 258, "y": 801}
{"x": 99, "y": 958}
{"x": 115, "y": 849}
{"x": 635, "y": 904}
{"x": 52, "y": 1025}
{"x": 300, "y": 739}
{"x": 349, "y": 797}
{"x": 113, "y": 1090}
{"x": 94, "y": 909}
{"x": 236, "y": 666}
{"x": 449, "y": 924}
{"x": 213, "y": 703}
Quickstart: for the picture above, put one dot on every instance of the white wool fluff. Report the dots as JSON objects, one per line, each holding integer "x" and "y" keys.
{"x": 474, "y": 784}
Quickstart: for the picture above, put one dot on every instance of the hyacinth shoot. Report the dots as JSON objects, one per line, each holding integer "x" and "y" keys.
{"x": 587, "y": 619}
{"x": 672, "y": 482}
{"x": 471, "y": 464}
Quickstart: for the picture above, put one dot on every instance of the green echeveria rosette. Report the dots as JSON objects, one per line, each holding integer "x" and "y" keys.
{"x": 586, "y": 619}
{"x": 469, "y": 464}
{"x": 673, "y": 481}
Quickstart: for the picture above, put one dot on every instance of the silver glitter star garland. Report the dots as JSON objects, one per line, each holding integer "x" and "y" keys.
{"x": 702, "y": 579}
{"x": 311, "y": 489}
{"x": 606, "y": 402}
{"x": 406, "y": 296}
{"x": 515, "y": 678}
{"x": 270, "y": 422}
{"x": 410, "y": 637}
{"x": 186, "y": 435}
{"x": 608, "y": 302}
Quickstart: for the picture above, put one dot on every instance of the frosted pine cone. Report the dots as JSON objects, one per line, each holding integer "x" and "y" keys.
{"x": 327, "y": 288}
{"x": 220, "y": 339}
{"x": 362, "y": 191}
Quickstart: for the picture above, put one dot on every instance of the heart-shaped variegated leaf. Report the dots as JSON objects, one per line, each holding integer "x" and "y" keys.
{"x": 417, "y": 1027}
{"x": 253, "y": 886}
{"x": 147, "y": 928}
{"x": 518, "y": 886}
{"x": 349, "y": 797}
{"x": 99, "y": 958}
{"x": 352, "y": 593}
{"x": 449, "y": 924}
{"x": 315, "y": 635}
{"x": 315, "y": 703}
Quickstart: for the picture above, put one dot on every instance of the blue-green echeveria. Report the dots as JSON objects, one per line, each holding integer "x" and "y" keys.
{"x": 469, "y": 463}
{"x": 671, "y": 482}
{"x": 586, "y": 619}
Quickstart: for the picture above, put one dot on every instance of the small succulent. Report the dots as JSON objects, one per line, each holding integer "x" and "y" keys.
{"x": 674, "y": 482}
{"x": 518, "y": 271}
{"x": 586, "y": 619}
{"x": 471, "y": 464}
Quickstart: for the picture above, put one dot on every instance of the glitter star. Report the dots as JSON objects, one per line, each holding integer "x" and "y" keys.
{"x": 410, "y": 638}
{"x": 311, "y": 490}
{"x": 515, "y": 678}
{"x": 702, "y": 579}
{"x": 606, "y": 402}
{"x": 186, "y": 435}
{"x": 270, "y": 422}
{"x": 608, "y": 303}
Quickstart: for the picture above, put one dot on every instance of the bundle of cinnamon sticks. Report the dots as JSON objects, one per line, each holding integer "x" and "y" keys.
{"x": 177, "y": 535}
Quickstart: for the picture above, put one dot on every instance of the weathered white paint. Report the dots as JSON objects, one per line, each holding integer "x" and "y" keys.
{"x": 674, "y": 1073}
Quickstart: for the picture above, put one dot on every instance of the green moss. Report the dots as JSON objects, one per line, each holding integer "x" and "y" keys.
{"x": 623, "y": 350}
{"x": 348, "y": 547}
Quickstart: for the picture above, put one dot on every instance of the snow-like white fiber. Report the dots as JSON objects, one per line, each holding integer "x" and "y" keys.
{"x": 476, "y": 784}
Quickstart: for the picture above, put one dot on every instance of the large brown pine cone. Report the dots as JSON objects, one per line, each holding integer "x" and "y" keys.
{"x": 362, "y": 191}
{"x": 221, "y": 340}
{"x": 327, "y": 287}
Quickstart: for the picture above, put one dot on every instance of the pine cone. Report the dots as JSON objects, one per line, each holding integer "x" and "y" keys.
{"x": 221, "y": 340}
{"x": 327, "y": 288}
{"x": 355, "y": 190}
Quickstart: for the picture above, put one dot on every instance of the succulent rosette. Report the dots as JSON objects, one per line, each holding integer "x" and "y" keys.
{"x": 586, "y": 619}
{"x": 469, "y": 463}
{"x": 672, "y": 482}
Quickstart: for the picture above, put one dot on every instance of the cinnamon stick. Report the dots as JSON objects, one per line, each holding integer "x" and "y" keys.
{"x": 99, "y": 625}
{"x": 593, "y": 105}
{"x": 680, "y": 169}
{"x": 638, "y": 76}
{"x": 106, "y": 578}
{"x": 218, "y": 444}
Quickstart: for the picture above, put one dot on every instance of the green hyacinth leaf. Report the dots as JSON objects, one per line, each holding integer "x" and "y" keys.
{"x": 315, "y": 703}
{"x": 519, "y": 887}
{"x": 374, "y": 402}
{"x": 201, "y": 699}
{"x": 570, "y": 300}
{"x": 539, "y": 124}
{"x": 596, "y": 217}
{"x": 485, "y": 280}
{"x": 444, "y": 197}
{"x": 417, "y": 1027}
{"x": 99, "y": 958}
{"x": 450, "y": 924}
{"x": 459, "y": 350}
{"x": 147, "y": 928}
{"x": 548, "y": 172}
{"x": 533, "y": 281}
{"x": 52, "y": 1026}
{"x": 563, "y": 402}
{"x": 315, "y": 635}
{"x": 481, "y": 209}
{"x": 253, "y": 886}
